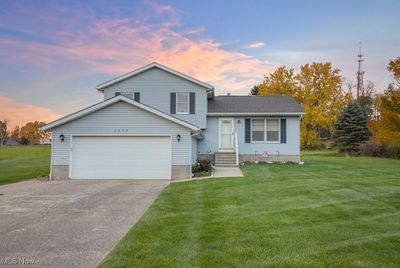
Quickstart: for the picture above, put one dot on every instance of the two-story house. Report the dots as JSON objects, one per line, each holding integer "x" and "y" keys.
{"x": 155, "y": 122}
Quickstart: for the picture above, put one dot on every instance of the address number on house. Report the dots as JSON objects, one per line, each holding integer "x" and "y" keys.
{"x": 121, "y": 130}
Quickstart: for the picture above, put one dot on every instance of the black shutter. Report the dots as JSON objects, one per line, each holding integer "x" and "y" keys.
{"x": 136, "y": 96}
{"x": 192, "y": 103}
{"x": 247, "y": 130}
{"x": 173, "y": 103}
{"x": 283, "y": 130}
{"x": 117, "y": 93}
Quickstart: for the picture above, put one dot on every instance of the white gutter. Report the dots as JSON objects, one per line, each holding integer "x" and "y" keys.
{"x": 246, "y": 114}
{"x": 198, "y": 133}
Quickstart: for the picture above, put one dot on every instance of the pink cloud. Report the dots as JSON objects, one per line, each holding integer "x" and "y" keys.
{"x": 20, "y": 113}
{"x": 117, "y": 46}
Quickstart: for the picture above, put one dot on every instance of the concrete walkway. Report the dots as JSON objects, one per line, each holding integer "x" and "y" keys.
{"x": 219, "y": 172}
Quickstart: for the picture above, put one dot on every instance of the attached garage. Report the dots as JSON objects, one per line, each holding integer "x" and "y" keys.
{"x": 120, "y": 157}
{"x": 121, "y": 139}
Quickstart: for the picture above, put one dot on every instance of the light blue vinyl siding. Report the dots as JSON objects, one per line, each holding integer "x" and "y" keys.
{"x": 194, "y": 150}
{"x": 292, "y": 146}
{"x": 155, "y": 86}
{"x": 123, "y": 116}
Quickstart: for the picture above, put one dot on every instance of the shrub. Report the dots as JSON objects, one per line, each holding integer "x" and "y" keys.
{"x": 202, "y": 167}
{"x": 375, "y": 150}
{"x": 195, "y": 168}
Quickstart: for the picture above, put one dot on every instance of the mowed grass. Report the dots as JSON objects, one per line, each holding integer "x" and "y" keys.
{"x": 333, "y": 211}
{"x": 19, "y": 163}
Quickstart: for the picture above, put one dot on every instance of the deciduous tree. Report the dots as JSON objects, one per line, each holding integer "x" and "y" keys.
{"x": 3, "y": 132}
{"x": 30, "y": 133}
{"x": 386, "y": 128}
{"x": 281, "y": 82}
{"x": 15, "y": 133}
{"x": 318, "y": 88}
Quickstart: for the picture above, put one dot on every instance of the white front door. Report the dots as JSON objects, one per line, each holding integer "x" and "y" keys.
{"x": 226, "y": 134}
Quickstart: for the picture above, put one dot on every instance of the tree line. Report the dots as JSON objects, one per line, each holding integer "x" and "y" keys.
{"x": 351, "y": 124}
{"x": 30, "y": 133}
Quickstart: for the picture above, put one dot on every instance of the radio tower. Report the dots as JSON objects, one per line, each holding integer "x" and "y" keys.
{"x": 360, "y": 73}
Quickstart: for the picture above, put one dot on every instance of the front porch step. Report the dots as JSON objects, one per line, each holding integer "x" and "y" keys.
{"x": 225, "y": 159}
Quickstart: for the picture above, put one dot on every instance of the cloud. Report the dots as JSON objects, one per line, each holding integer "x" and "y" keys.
{"x": 255, "y": 45}
{"x": 20, "y": 113}
{"x": 117, "y": 46}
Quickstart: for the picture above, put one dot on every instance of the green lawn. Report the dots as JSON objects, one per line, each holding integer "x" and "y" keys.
{"x": 333, "y": 211}
{"x": 19, "y": 163}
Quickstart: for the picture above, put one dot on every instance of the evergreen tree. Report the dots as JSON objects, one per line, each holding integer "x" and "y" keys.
{"x": 351, "y": 128}
{"x": 255, "y": 90}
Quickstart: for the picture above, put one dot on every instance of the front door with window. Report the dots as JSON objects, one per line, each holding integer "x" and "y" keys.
{"x": 226, "y": 134}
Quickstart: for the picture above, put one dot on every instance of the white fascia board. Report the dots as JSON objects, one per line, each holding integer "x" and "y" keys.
{"x": 149, "y": 66}
{"x": 108, "y": 102}
{"x": 247, "y": 114}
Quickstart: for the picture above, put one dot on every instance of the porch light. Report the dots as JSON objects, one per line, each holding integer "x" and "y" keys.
{"x": 62, "y": 138}
{"x": 178, "y": 137}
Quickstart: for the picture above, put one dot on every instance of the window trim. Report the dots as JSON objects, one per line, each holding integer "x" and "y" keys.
{"x": 265, "y": 130}
{"x": 188, "y": 102}
{"x": 121, "y": 93}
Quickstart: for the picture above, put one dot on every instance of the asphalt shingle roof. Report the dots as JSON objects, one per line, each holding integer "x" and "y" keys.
{"x": 254, "y": 104}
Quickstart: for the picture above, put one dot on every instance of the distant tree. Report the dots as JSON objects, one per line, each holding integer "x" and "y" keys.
{"x": 394, "y": 69}
{"x": 30, "y": 133}
{"x": 366, "y": 98}
{"x": 386, "y": 128}
{"x": 3, "y": 132}
{"x": 318, "y": 88}
{"x": 351, "y": 128}
{"x": 255, "y": 90}
{"x": 15, "y": 133}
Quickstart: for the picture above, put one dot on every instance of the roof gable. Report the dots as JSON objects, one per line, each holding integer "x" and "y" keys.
{"x": 102, "y": 86}
{"x": 101, "y": 105}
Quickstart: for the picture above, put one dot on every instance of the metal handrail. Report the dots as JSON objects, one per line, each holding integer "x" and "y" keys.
{"x": 236, "y": 150}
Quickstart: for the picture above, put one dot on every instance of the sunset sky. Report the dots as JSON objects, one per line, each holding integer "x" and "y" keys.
{"x": 53, "y": 54}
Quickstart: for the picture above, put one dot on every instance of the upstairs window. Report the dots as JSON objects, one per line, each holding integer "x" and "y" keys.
{"x": 265, "y": 130}
{"x": 182, "y": 103}
{"x": 125, "y": 94}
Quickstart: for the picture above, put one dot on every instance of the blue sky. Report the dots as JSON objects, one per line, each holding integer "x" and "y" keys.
{"x": 53, "y": 54}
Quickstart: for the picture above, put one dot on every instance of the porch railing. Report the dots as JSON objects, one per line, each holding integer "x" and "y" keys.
{"x": 236, "y": 150}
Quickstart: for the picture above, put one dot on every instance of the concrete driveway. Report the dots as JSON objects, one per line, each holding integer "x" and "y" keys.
{"x": 69, "y": 223}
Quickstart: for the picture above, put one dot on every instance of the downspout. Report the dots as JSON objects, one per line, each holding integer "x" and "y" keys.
{"x": 51, "y": 157}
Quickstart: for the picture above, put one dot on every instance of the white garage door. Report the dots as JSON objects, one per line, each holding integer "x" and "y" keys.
{"x": 121, "y": 158}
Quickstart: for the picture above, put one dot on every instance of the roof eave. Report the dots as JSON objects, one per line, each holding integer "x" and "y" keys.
{"x": 149, "y": 66}
{"x": 108, "y": 102}
{"x": 254, "y": 113}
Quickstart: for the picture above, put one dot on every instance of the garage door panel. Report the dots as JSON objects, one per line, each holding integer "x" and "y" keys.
{"x": 121, "y": 158}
